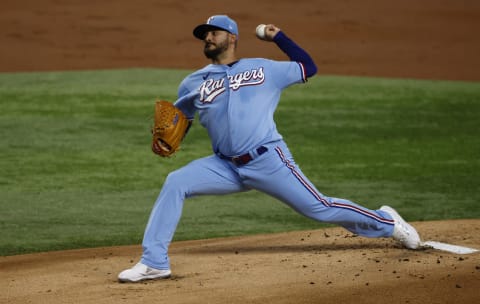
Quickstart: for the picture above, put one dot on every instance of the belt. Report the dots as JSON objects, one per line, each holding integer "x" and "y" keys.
{"x": 243, "y": 159}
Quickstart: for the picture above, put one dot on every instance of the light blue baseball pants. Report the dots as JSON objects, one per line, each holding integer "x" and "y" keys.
{"x": 274, "y": 173}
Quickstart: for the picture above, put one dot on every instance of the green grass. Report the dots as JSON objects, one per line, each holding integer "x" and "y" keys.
{"x": 77, "y": 171}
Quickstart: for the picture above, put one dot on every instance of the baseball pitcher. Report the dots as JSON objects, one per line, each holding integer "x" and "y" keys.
{"x": 235, "y": 99}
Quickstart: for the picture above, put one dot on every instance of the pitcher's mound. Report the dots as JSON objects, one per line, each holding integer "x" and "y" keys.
{"x": 318, "y": 266}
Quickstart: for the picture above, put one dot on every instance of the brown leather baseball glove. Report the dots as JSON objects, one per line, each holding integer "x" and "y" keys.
{"x": 169, "y": 129}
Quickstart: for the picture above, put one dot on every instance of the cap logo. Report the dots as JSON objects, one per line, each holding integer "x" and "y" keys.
{"x": 217, "y": 21}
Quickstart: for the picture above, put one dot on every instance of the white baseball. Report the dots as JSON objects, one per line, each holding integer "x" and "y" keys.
{"x": 260, "y": 30}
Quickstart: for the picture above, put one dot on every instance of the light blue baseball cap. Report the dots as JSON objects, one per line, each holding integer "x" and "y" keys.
{"x": 222, "y": 22}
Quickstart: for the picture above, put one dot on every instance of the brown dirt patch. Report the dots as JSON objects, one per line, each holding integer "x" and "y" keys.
{"x": 432, "y": 39}
{"x": 435, "y": 39}
{"x": 318, "y": 266}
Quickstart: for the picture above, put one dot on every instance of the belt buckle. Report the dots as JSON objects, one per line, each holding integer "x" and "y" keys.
{"x": 236, "y": 161}
{"x": 241, "y": 160}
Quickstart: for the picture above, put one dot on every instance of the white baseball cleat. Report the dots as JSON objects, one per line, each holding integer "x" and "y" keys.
{"x": 141, "y": 272}
{"x": 402, "y": 231}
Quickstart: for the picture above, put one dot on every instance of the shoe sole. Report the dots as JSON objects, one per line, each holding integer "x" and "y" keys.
{"x": 144, "y": 278}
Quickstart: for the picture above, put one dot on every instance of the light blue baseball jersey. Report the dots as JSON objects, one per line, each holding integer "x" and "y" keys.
{"x": 236, "y": 103}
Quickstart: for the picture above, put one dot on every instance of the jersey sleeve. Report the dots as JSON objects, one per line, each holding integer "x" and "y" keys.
{"x": 185, "y": 101}
{"x": 287, "y": 73}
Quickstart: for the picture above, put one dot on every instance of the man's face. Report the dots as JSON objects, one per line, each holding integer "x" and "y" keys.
{"x": 216, "y": 42}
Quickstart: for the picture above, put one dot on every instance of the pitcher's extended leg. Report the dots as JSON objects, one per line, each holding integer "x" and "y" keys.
{"x": 208, "y": 175}
{"x": 287, "y": 183}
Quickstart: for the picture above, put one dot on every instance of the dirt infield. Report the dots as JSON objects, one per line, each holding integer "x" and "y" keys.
{"x": 320, "y": 266}
{"x": 431, "y": 39}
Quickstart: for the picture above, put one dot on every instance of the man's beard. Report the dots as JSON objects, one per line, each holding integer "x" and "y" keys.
{"x": 215, "y": 52}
